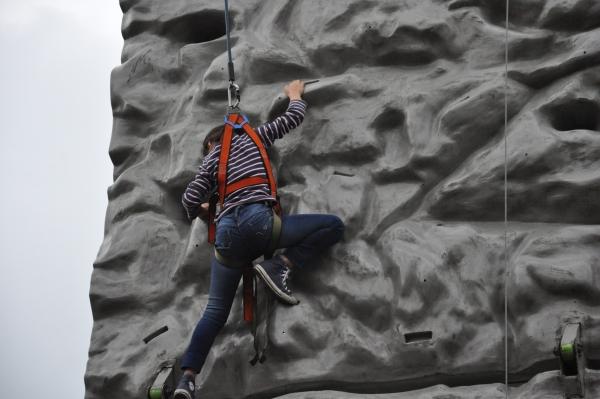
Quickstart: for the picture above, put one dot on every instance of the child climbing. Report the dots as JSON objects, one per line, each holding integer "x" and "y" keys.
{"x": 245, "y": 224}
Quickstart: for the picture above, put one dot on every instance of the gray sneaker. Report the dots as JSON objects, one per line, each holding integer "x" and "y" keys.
{"x": 185, "y": 388}
{"x": 275, "y": 274}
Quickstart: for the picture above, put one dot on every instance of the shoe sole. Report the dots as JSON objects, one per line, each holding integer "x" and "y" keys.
{"x": 182, "y": 394}
{"x": 290, "y": 300}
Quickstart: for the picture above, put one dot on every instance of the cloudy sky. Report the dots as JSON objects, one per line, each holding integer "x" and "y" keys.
{"x": 56, "y": 58}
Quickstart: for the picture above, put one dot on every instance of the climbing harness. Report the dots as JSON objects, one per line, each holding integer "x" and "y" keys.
{"x": 239, "y": 121}
{"x": 256, "y": 296}
{"x": 259, "y": 330}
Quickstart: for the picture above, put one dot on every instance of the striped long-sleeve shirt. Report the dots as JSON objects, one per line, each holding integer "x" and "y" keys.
{"x": 244, "y": 161}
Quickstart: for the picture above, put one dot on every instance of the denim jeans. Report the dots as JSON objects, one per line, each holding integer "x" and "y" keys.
{"x": 244, "y": 234}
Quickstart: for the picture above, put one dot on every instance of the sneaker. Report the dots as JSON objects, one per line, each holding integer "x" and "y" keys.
{"x": 185, "y": 389}
{"x": 275, "y": 274}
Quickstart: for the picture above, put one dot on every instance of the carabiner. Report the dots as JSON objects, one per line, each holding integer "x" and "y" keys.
{"x": 233, "y": 95}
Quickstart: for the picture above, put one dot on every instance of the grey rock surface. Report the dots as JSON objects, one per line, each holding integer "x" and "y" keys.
{"x": 404, "y": 141}
{"x": 544, "y": 386}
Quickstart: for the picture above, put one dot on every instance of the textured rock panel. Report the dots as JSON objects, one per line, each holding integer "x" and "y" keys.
{"x": 404, "y": 141}
{"x": 544, "y": 386}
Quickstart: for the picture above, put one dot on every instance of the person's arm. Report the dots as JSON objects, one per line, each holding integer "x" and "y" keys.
{"x": 197, "y": 190}
{"x": 292, "y": 118}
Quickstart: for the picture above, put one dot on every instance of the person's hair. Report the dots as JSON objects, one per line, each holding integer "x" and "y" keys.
{"x": 214, "y": 136}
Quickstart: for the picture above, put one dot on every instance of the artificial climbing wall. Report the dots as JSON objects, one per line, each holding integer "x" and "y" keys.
{"x": 404, "y": 140}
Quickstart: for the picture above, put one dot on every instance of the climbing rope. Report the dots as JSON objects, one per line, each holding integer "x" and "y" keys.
{"x": 233, "y": 91}
{"x": 506, "y": 259}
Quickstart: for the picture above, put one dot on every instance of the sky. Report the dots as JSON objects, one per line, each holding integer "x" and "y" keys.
{"x": 56, "y": 58}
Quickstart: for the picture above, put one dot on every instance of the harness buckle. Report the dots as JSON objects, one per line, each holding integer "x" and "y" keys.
{"x": 237, "y": 125}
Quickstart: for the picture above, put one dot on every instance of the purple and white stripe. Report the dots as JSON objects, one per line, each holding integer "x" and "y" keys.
{"x": 244, "y": 161}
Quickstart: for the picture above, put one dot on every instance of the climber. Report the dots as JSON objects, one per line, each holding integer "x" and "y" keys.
{"x": 243, "y": 230}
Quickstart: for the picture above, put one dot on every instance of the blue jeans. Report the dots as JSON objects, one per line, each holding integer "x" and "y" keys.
{"x": 244, "y": 234}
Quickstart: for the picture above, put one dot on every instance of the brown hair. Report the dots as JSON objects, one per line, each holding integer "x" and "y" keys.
{"x": 214, "y": 136}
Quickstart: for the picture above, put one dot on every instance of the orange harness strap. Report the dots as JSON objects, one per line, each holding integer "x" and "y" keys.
{"x": 249, "y": 294}
{"x": 265, "y": 158}
{"x": 212, "y": 226}
{"x": 248, "y": 181}
{"x": 221, "y": 177}
{"x": 225, "y": 189}
{"x": 224, "y": 157}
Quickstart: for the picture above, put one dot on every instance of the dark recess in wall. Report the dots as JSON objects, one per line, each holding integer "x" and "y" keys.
{"x": 574, "y": 114}
{"x": 199, "y": 27}
{"x": 417, "y": 336}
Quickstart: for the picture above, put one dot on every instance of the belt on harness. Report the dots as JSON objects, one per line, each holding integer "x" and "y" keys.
{"x": 238, "y": 121}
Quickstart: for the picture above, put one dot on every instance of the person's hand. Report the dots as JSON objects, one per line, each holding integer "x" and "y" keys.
{"x": 294, "y": 89}
{"x": 203, "y": 211}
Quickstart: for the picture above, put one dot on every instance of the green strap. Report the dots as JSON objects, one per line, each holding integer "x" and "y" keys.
{"x": 230, "y": 262}
{"x": 275, "y": 234}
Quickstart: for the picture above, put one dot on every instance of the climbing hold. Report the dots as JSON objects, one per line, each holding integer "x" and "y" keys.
{"x": 417, "y": 336}
{"x": 164, "y": 383}
{"x": 572, "y": 361}
{"x": 155, "y": 334}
